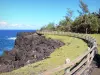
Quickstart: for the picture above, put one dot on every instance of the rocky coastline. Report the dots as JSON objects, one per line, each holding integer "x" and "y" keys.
{"x": 29, "y": 47}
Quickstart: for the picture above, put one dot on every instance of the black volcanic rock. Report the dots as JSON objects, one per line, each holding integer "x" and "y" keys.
{"x": 29, "y": 47}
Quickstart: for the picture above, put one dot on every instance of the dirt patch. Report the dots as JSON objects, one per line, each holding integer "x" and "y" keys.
{"x": 29, "y": 48}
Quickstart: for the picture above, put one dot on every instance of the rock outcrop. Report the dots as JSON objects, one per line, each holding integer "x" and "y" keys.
{"x": 29, "y": 47}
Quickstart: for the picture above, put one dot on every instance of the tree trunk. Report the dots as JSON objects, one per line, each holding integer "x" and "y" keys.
{"x": 86, "y": 30}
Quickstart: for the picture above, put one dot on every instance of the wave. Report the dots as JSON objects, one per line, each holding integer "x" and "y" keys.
{"x": 12, "y": 38}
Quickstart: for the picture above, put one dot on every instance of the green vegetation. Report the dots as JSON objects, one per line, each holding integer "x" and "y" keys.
{"x": 73, "y": 48}
{"x": 97, "y": 37}
{"x": 50, "y": 27}
{"x": 86, "y": 22}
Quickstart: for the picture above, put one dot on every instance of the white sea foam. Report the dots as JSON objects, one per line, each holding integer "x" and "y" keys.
{"x": 12, "y": 38}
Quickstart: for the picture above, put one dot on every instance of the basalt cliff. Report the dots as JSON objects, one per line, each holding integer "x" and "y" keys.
{"x": 29, "y": 47}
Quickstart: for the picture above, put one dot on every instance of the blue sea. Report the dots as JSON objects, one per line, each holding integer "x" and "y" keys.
{"x": 7, "y": 39}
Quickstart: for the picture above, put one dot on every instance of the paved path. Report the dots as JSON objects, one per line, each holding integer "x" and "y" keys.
{"x": 96, "y": 71}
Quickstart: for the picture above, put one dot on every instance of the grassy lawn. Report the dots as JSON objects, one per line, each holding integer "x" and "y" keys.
{"x": 73, "y": 48}
{"x": 97, "y": 37}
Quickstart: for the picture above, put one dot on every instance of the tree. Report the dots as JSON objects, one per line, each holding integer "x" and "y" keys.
{"x": 83, "y": 16}
{"x": 62, "y": 25}
{"x": 84, "y": 7}
{"x": 89, "y": 21}
{"x": 65, "y": 24}
{"x": 94, "y": 23}
{"x": 97, "y": 14}
{"x": 43, "y": 28}
{"x": 50, "y": 26}
{"x": 68, "y": 18}
{"x": 69, "y": 13}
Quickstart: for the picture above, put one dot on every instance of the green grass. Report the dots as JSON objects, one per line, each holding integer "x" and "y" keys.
{"x": 73, "y": 48}
{"x": 97, "y": 37}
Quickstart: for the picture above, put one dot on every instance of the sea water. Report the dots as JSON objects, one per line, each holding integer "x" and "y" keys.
{"x": 7, "y": 39}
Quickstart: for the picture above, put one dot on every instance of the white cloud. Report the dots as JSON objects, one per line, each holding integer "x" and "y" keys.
{"x": 5, "y": 25}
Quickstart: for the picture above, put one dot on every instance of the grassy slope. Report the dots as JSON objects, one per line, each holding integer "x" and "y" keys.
{"x": 97, "y": 37}
{"x": 73, "y": 48}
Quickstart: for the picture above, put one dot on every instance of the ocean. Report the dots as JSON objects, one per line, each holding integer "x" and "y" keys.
{"x": 7, "y": 39}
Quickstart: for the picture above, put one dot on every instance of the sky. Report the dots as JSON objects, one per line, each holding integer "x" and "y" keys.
{"x": 33, "y": 14}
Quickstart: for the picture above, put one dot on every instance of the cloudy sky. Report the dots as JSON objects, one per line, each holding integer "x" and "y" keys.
{"x": 33, "y": 14}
